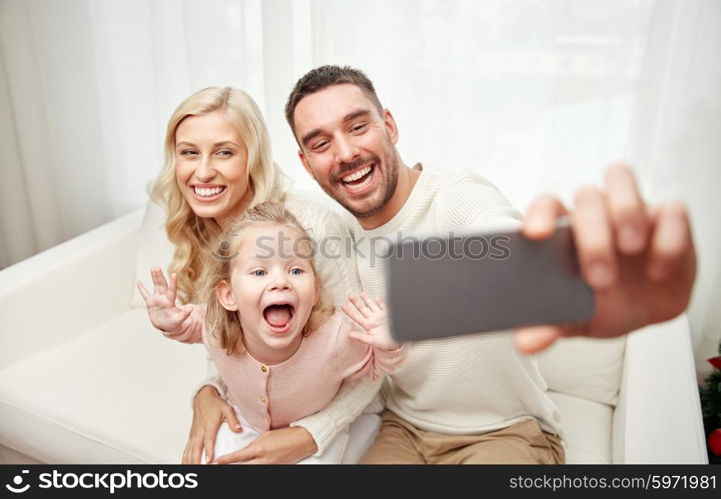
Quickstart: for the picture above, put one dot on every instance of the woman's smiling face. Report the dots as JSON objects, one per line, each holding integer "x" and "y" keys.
{"x": 211, "y": 166}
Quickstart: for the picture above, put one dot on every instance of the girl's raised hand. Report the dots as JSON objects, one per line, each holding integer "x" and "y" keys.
{"x": 161, "y": 303}
{"x": 371, "y": 315}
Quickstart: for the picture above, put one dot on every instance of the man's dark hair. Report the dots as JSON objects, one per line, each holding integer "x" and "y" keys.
{"x": 323, "y": 77}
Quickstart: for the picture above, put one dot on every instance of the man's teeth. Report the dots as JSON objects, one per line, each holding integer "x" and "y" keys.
{"x": 357, "y": 175}
{"x": 208, "y": 192}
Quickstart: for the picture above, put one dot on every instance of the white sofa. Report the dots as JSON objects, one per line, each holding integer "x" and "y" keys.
{"x": 84, "y": 378}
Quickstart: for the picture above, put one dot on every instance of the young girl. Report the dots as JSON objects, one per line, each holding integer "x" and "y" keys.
{"x": 280, "y": 349}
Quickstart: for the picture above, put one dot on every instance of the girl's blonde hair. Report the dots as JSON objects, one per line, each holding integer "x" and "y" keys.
{"x": 192, "y": 235}
{"x": 224, "y": 325}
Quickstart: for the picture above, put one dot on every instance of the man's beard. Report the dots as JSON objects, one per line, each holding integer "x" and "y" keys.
{"x": 387, "y": 184}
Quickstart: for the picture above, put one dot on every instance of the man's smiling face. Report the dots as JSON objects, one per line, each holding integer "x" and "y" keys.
{"x": 348, "y": 147}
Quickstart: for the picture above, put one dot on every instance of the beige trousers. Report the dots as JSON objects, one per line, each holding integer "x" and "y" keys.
{"x": 399, "y": 442}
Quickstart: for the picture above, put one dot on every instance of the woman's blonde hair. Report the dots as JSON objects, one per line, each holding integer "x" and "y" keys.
{"x": 193, "y": 235}
{"x": 224, "y": 325}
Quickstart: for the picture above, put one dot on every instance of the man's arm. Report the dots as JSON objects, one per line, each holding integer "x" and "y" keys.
{"x": 472, "y": 203}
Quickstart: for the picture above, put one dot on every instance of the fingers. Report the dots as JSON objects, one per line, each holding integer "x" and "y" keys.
{"x": 670, "y": 242}
{"x": 381, "y": 304}
{"x": 239, "y": 456}
{"x": 533, "y": 339}
{"x": 193, "y": 451}
{"x": 211, "y": 431}
{"x": 186, "y": 454}
{"x": 143, "y": 292}
{"x": 209, "y": 445}
{"x": 360, "y": 305}
{"x": 541, "y": 217}
{"x": 594, "y": 238}
{"x": 627, "y": 210}
{"x": 369, "y": 302}
{"x": 173, "y": 288}
{"x": 161, "y": 285}
{"x": 231, "y": 418}
{"x": 353, "y": 312}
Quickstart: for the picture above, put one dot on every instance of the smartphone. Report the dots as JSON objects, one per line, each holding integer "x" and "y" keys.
{"x": 438, "y": 287}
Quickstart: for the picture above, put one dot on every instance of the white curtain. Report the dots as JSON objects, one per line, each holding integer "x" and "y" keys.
{"x": 676, "y": 141}
{"x": 536, "y": 95}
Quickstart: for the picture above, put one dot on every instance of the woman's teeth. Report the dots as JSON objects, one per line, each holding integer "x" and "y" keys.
{"x": 357, "y": 175}
{"x": 205, "y": 192}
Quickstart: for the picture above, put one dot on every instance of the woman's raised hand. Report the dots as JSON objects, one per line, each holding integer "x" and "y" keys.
{"x": 161, "y": 302}
{"x": 371, "y": 315}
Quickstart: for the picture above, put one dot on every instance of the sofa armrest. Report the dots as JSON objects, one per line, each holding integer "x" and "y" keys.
{"x": 658, "y": 417}
{"x": 67, "y": 290}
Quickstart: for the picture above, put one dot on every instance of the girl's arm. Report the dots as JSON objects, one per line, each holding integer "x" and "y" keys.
{"x": 179, "y": 323}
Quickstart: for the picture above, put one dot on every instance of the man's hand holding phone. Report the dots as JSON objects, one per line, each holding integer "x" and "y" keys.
{"x": 639, "y": 259}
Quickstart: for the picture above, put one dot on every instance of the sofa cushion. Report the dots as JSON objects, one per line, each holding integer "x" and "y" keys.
{"x": 587, "y": 427}
{"x": 117, "y": 394}
{"x": 584, "y": 367}
{"x": 10, "y": 456}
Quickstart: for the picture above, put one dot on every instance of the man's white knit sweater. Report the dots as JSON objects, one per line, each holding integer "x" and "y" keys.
{"x": 469, "y": 384}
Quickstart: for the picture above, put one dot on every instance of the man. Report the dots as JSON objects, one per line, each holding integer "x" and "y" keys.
{"x": 472, "y": 399}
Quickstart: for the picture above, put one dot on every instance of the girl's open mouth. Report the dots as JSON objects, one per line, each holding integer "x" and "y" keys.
{"x": 279, "y": 317}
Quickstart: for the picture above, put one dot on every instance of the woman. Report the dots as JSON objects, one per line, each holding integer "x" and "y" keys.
{"x": 218, "y": 164}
